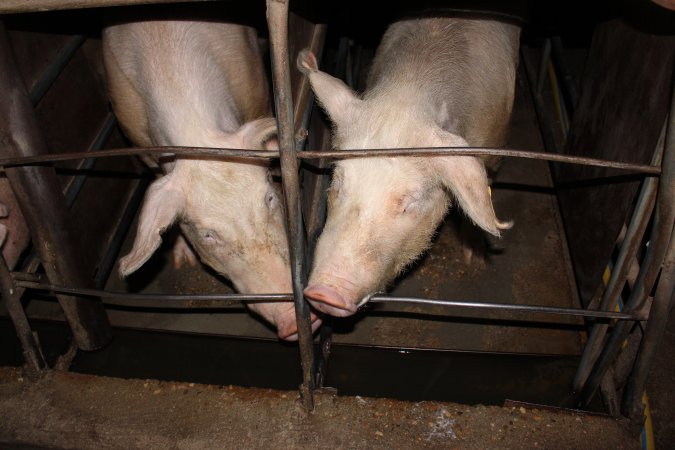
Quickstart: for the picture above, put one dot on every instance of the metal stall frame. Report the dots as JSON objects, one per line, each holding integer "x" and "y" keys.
{"x": 277, "y": 15}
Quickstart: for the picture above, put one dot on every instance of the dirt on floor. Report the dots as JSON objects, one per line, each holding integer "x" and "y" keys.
{"x": 67, "y": 410}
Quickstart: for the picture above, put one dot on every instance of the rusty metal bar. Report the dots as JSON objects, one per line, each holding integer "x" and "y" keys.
{"x": 215, "y": 301}
{"x": 624, "y": 262}
{"x": 337, "y": 154}
{"x": 29, "y": 345}
{"x": 664, "y": 217}
{"x": 43, "y": 206}
{"x": 65, "y": 54}
{"x": 22, "y": 6}
{"x": 277, "y": 21}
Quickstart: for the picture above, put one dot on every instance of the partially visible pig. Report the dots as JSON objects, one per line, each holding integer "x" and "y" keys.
{"x": 202, "y": 84}
{"x": 14, "y": 235}
{"x": 438, "y": 82}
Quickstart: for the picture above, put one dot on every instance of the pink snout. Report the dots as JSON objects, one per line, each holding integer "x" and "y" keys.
{"x": 287, "y": 327}
{"x": 328, "y": 300}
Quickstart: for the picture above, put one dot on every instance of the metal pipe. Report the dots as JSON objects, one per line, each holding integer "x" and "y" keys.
{"x": 543, "y": 64}
{"x": 77, "y": 182}
{"x": 107, "y": 262}
{"x": 39, "y": 195}
{"x": 662, "y": 306}
{"x": 29, "y": 346}
{"x": 277, "y": 21}
{"x": 570, "y": 90}
{"x": 207, "y": 301}
{"x": 22, "y": 6}
{"x": 627, "y": 253}
{"x": 337, "y": 154}
{"x": 664, "y": 217}
{"x": 50, "y": 75}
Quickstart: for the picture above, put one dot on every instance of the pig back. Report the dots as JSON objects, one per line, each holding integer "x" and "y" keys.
{"x": 460, "y": 70}
{"x": 183, "y": 76}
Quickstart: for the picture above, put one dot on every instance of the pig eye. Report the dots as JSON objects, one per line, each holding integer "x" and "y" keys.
{"x": 209, "y": 236}
{"x": 409, "y": 203}
{"x": 271, "y": 200}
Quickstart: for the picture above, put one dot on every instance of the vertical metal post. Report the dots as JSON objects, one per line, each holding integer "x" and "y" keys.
{"x": 43, "y": 206}
{"x": 12, "y": 296}
{"x": 664, "y": 217}
{"x": 664, "y": 297}
{"x": 634, "y": 233}
{"x": 662, "y": 306}
{"x": 277, "y": 21}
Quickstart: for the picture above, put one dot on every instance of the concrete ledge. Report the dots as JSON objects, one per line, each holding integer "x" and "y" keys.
{"x": 68, "y": 410}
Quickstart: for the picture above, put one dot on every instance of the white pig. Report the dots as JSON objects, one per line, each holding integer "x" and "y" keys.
{"x": 437, "y": 82}
{"x": 202, "y": 84}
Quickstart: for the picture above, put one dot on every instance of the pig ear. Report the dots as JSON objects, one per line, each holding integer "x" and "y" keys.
{"x": 336, "y": 98}
{"x": 261, "y": 133}
{"x": 163, "y": 202}
{"x": 466, "y": 178}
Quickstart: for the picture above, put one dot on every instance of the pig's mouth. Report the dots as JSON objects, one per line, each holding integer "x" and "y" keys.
{"x": 288, "y": 330}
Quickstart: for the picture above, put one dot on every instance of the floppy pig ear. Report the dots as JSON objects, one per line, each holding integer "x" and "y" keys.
{"x": 261, "y": 133}
{"x": 466, "y": 178}
{"x": 162, "y": 205}
{"x": 336, "y": 98}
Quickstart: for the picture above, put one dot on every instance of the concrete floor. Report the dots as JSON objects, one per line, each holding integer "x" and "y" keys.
{"x": 65, "y": 410}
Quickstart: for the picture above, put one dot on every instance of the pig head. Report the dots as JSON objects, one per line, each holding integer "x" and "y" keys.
{"x": 202, "y": 84}
{"x": 433, "y": 83}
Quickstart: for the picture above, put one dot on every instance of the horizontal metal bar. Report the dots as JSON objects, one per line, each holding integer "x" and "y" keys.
{"x": 208, "y": 301}
{"x": 337, "y": 154}
{"x": 22, "y": 6}
{"x": 510, "y": 307}
{"x": 173, "y": 301}
{"x": 480, "y": 151}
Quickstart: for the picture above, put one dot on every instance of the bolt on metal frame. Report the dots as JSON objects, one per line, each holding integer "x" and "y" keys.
{"x": 593, "y": 368}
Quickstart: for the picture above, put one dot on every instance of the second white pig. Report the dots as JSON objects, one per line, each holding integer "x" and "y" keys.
{"x": 437, "y": 82}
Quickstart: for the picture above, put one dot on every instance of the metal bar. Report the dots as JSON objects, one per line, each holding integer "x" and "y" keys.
{"x": 107, "y": 263}
{"x": 76, "y": 183}
{"x": 39, "y": 195}
{"x": 50, "y": 75}
{"x": 277, "y": 21}
{"x": 29, "y": 346}
{"x": 537, "y": 99}
{"x": 564, "y": 74}
{"x": 543, "y": 64}
{"x": 664, "y": 217}
{"x": 662, "y": 306}
{"x": 22, "y": 6}
{"x": 207, "y": 301}
{"x": 337, "y": 154}
{"x": 624, "y": 261}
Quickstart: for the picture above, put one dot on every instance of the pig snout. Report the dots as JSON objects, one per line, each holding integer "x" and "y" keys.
{"x": 335, "y": 297}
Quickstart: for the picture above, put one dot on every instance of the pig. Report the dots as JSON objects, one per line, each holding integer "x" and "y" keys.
{"x": 434, "y": 82}
{"x": 202, "y": 84}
